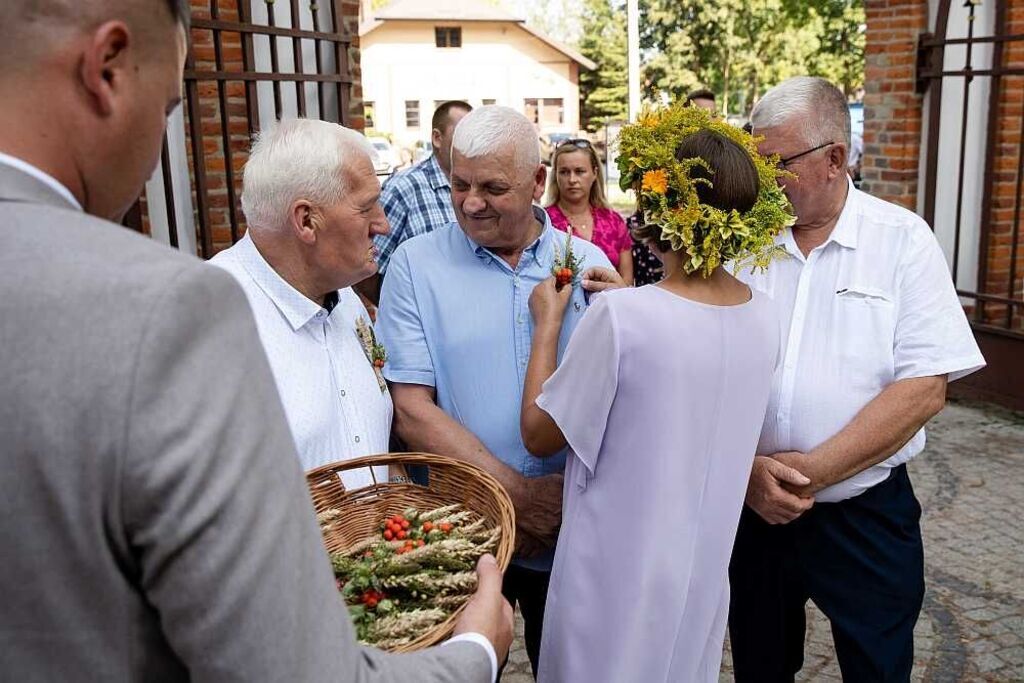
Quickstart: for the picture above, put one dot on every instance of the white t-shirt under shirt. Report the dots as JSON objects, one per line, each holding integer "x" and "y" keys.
{"x": 873, "y": 305}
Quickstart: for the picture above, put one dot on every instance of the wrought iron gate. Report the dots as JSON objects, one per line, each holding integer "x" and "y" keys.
{"x": 995, "y": 305}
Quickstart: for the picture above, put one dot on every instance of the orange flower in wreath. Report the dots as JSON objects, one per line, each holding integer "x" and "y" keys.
{"x": 655, "y": 181}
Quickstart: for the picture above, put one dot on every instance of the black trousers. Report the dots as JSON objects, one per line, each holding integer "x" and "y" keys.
{"x": 528, "y": 588}
{"x": 859, "y": 560}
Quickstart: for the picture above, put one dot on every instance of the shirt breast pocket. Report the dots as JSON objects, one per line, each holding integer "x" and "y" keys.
{"x": 866, "y": 322}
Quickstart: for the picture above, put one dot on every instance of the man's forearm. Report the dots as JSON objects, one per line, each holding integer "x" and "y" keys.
{"x": 880, "y": 429}
{"x": 424, "y": 427}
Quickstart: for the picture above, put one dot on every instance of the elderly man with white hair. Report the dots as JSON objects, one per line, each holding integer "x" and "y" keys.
{"x": 455, "y": 319}
{"x": 872, "y": 332}
{"x": 310, "y": 195}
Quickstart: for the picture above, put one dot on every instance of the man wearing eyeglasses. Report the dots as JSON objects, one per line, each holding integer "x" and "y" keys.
{"x": 872, "y": 332}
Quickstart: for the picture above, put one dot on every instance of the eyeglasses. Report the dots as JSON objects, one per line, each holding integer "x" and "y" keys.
{"x": 785, "y": 162}
{"x": 576, "y": 142}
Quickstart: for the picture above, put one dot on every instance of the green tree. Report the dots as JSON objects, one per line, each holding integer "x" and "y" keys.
{"x": 740, "y": 48}
{"x": 603, "y": 91}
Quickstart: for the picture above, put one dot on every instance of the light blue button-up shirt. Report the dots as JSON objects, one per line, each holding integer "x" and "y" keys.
{"x": 455, "y": 316}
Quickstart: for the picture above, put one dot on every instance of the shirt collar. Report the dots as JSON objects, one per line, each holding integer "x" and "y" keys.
{"x": 435, "y": 176}
{"x": 297, "y": 309}
{"x": 540, "y": 250}
{"x": 847, "y": 227}
{"x": 845, "y": 232}
{"x": 42, "y": 177}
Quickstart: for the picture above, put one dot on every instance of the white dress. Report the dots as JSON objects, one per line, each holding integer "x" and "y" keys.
{"x": 661, "y": 400}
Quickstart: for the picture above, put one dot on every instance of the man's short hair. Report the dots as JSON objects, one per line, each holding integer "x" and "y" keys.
{"x": 30, "y": 29}
{"x": 441, "y": 119}
{"x": 297, "y": 159}
{"x": 494, "y": 128}
{"x": 701, "y": 94}
{"x": 821, "y": 105}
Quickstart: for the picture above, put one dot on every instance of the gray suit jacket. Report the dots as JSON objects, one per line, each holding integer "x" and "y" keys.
{"x": 154, "y": 520}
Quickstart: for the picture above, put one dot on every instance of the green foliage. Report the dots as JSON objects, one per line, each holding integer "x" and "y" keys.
{"x": 603, "y": 91}
{"x": 741, "y": 48}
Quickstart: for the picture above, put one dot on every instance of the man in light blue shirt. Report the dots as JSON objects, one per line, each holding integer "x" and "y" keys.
{"x": 455, "y": 319}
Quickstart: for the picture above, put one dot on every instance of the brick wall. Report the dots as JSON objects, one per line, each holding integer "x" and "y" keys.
{"x": 218, "y": 199}
{"x": 1005, "y": 181}
{"x": 892, "y": 109}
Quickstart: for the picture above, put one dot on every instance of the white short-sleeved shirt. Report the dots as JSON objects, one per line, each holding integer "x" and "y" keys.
{"x": 873, "y": 305}
{"x": 333, "y": 402}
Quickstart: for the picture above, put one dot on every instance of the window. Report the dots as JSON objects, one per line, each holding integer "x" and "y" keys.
{"x": 368, "y": 114}
{"x": 487, "y": 102}
{"x": 531, "y": 110}
{"x": 552, "y": 112}
{"x": 412, "y": 114}
{"x": 448, "y": 36}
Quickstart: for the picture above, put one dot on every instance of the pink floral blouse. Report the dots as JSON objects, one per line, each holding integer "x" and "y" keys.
{"x": 610, "y": 233}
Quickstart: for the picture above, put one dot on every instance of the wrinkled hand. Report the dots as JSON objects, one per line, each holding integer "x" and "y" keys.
{"x": 539, "y": 512}
{"x": 547, "y": 304}
{"x": 802, "y": 464}
{"x": 488, "y": 612}
{"x": 598, "y": 279}
{"x": 767, "y": 496}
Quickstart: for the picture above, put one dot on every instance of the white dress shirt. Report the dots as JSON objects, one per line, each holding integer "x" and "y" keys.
{"x": 873, "y": 305}
{"x": 334, "y": 405}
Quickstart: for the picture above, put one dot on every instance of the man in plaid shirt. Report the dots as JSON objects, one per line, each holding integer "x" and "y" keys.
{"x": 418, "y": 200}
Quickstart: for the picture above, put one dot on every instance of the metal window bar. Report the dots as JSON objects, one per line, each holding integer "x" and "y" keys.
{"x": 225, "y": 125}
{"x": 216, "y": 25}
{"x": 1007, "y": 313}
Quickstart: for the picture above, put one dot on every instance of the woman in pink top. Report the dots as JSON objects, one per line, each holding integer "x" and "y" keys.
{"x": 576, "y": 197}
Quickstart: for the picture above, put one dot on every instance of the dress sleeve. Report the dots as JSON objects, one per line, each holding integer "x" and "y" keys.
{"x": 579, "y": 396}
{"x": 933, "y": 336}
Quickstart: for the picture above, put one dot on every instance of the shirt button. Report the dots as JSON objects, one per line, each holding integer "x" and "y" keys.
{"x": 519, "y": 320}
{"x": 343, "y": 392}
{"x": 357, "y": 439}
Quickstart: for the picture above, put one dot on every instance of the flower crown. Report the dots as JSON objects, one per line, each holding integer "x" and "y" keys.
{"x": 667, "y": 194}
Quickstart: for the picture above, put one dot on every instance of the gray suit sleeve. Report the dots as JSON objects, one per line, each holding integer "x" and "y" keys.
{"x": 218, "y": 515}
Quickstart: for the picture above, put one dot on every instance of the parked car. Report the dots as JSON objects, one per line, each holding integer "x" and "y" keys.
{"x": 548, "y": 142}
{"x": 423, "y": 150}
{"x": 387, "y": 156}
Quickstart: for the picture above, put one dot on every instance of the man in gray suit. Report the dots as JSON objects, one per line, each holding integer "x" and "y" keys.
{"x": 154, "y": 521}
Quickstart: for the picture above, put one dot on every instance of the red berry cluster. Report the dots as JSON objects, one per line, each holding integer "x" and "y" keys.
{"x": 396, "y": 528}
{"x": 371, "y": 597}
{"x": 563, "y": 277}
{"x": 411, "y": 545}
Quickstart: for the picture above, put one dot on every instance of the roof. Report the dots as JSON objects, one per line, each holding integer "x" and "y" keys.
{"x": 463, "y": 11}
{"x": 433, "y": 10}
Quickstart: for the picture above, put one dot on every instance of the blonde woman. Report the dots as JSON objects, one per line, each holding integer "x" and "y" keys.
{"x": 575, "y": 196}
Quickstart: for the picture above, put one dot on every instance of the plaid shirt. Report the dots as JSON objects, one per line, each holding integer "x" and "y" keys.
{"x": 415, "y": 201}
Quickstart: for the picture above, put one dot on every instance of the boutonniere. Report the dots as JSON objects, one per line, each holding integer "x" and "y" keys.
{"x": 374, "y": 351}
{"x": 566, "y": 267}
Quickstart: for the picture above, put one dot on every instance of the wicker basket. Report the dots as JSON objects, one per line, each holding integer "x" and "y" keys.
{"x": 451, "y": 481}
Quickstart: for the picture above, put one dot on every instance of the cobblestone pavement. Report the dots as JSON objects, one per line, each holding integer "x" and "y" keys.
{"x": 970, "y": 481}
